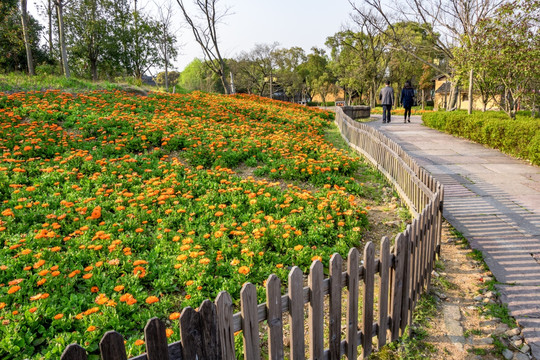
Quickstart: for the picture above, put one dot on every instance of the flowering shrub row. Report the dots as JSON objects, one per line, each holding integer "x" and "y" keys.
{"x": 116, "y": 208}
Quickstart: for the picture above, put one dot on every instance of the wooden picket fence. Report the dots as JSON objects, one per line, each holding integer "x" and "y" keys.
{"x": 403, "y": 274}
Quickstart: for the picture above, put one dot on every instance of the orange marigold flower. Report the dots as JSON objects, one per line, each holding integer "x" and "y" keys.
{"x": 96, "y": 213}
{"x": 169, "y": 332}
{"x": 139, "y": 262}
{"x": 139, "y": 271}
{"x": 58, "y": 316}
{"x": 91, "y": 328}
{"x": 139, "y": 230}
{"x": 151, "y": 299}
{"x": 173, "y": 316}
{"x": 139, "y": 342}
{"x": 87, "y": 276}
{"x": 14, "y": 289}
{"x": 244, "y": 270}
{"x": 316, "y": 257}
{"x": 118, "y": 288}
{"x": 33, "y": 309}
{"x": 298, "y": 247}
{"x": 101, "y": 299}
{"x": 3, "y": 305}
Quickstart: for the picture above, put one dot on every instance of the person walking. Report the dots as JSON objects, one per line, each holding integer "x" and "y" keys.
{"x": 387, "y": 100}
{"x": 407, "y": 100}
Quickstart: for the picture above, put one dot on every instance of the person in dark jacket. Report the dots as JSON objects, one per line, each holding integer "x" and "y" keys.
{"x": 407, "y": 100}
{"x": 387, "y": 100}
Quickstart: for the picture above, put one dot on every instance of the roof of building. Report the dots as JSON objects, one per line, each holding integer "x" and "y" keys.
{"x": 443, "y": 89}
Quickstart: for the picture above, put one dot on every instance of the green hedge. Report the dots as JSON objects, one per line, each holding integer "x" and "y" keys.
{"x": 519, "y": 137}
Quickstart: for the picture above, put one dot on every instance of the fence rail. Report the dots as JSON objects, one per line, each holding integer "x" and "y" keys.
{"x": 402, "y": 272}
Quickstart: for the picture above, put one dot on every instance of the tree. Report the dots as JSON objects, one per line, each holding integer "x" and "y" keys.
{"x": 359, "y": 60}
{"x": 425, "y": 82}
{"x": 449, "y": 23}
{"x": 287, "y": 63}
{"x": 205, "y": 33}
{"x": 12, "y": 46}
{"x": 317, "y": 74}
{"x": 167, "y": 38}
{"x": 27, "y": 44}
{"x": 198, "y": 76}
{"x": 87, "y": 29}
{"x": 510, "y": 50}
{"x": 256, "y": 68}
{"x": 171, "y": 78}
{"x": 60, "y": 4}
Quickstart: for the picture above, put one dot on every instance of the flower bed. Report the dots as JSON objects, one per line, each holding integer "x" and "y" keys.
{"x": 118, "y": 208}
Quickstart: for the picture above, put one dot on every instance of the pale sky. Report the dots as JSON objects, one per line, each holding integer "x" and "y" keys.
{"x": 304, "y": 23}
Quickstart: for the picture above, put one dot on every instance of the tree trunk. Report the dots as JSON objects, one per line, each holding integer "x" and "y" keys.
{"x": 224, "y": 83}
{"x": 24, "y": 20}
{"x": 423, "y": 99}
{"x": 453, "y": 101}
{"x": 372, "y": 101}
{"x": 93, "y": 69}
{"x": 471, "y": 79}
{"x": 49, "y": 14}
{"x": 59, "y": 11}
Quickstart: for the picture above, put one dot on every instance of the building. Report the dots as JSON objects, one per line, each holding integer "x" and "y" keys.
{"x": 442, "y": 96}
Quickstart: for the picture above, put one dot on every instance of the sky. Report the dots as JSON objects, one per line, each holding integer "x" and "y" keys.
{"x": 304, "y": 23}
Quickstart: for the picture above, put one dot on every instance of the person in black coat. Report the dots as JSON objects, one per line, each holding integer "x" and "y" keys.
{"x": 407, "y": 100}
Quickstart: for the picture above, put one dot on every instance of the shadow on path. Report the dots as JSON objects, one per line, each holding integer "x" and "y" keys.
{"x": 494, "y": 201}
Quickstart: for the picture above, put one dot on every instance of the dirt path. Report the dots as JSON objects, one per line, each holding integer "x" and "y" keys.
{"x": 469, "y": 321}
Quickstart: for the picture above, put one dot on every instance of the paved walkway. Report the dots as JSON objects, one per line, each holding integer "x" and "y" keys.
{"x": 494, "y": 201}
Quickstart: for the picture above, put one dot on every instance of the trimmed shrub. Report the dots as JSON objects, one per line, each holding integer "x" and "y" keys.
{"x": 518, "y": 137}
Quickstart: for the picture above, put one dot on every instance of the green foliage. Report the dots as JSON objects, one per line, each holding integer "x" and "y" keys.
{"x": 197, "y": 76}
{"x": 12, "y": 50}
{"x": 173, "y": 77}
{"x": 412, "y": 346}
{"x": 126, "y": 229}
{"x": 518, "y": 137}
{"x": 501, "y": 312}
{"x": 16, "y": 82}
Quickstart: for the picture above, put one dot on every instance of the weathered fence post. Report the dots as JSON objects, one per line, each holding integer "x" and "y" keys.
{"x": 74, "y": 352}
{"x": 334, "y": 331}
{"x": 250, "y": 322}
{"x": 274, "y": 318}
{"x": 316, "y": 311}
{"x": 155, "y": 339}
{"x": 397, "y": 286}
{"x": 352, "y": 304}
{"x": 296, "y": 313}
{"x": 225, "y": 330}
{"x": 112, "y": 346}
{"x": 384, "y": 268}
{"x": 368, "y": 295}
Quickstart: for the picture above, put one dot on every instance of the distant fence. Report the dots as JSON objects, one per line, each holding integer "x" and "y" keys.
{"x": 403, "y": 270}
